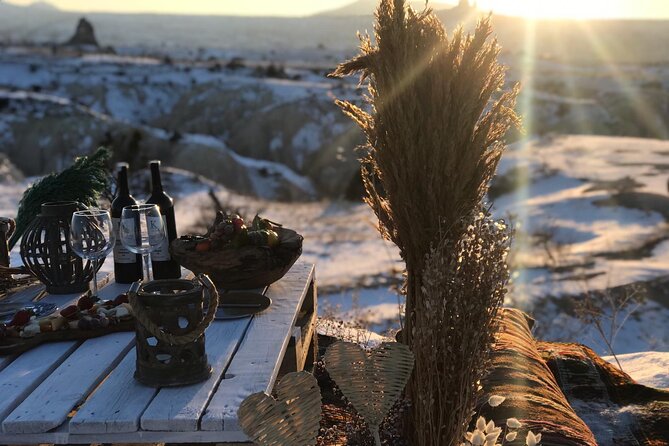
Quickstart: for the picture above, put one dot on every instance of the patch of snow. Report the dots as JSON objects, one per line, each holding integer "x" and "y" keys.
{"x": 364, "y": 338}
{"x": 262, "y": 171}
{"x": 638, "y": 333}
{"x": 307, "y": 140}
{"x": 648, "y": 368}
{"x": 276, "y": 144}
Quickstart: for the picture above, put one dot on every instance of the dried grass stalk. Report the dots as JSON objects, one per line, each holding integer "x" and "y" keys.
{"x": 434, "y": 139}
{"x": 434, "y": 136}
{"x": 463, "y": 287}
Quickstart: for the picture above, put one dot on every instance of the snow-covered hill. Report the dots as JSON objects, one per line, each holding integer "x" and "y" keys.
{"x": 274, "y": 136}
{"x": 54, "y": 106}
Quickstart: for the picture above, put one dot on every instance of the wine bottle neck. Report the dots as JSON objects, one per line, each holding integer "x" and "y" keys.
{"x": 156, "y": 183}
{"x": 123, "y": 188}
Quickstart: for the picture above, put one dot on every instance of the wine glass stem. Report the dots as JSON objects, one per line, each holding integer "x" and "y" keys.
{"x": 146, "y": 266}
{"x": 95, "y": 277}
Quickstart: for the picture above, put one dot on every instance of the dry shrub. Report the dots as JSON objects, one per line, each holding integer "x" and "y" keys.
{"x": 434, "y": 139}
{"x": 463, "y": 286}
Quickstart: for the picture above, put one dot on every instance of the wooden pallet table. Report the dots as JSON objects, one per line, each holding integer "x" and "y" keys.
{"x": 84, "y": 392}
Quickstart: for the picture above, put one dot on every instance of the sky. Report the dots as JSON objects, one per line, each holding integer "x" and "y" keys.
{"x": 578, "y": 9}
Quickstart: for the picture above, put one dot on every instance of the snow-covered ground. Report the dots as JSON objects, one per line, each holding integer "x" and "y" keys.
{"x": 647, "y": 368}
{"x": 591, "y": 214}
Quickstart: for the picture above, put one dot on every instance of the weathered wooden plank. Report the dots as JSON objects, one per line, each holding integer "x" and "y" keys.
{"x": 26, "y": 294}
{"x": 108, "y": 289}
{"x": 6, "y": 360}
{"x": 56, "y": 436}
{"x": 35, "y": 365}
{"x": 255, "y": 366}
{"x": 301, "y": 344}
{"x": 180, "y": 409}
{"x": 48, "y": 405}
{"x": 61, "y": 436}
{"x": 24, "y": 374}
{"x": 117, "y": 403}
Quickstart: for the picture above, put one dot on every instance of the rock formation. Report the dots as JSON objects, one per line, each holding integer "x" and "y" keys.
{"x": 84, "y": 35}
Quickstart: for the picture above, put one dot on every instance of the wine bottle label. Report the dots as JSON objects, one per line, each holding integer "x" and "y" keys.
{"x": 161, "y": 252}
{"x": 121, "y": 253}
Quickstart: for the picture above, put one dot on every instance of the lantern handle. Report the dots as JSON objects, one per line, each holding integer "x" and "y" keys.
{"x": 143, "y": 318}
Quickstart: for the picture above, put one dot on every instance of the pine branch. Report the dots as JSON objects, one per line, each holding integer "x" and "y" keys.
{"x": 84, "y": 182}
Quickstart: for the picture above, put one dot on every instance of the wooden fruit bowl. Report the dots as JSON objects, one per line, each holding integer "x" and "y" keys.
{"x": 246, "y": 267}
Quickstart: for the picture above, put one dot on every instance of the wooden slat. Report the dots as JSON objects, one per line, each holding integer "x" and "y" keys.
{"x": 301, "y": 345}
{"x": 56, "y": 436}
{"x": 48, "y": 406}
{"x": 26, "y": 294}
{"x": 23, "y": 375}
{"x": 35, "y": 365}
{"x": 61, "y": 436}
{"x": 5, "y": 361}
{"x": 108, "y": 289}
{"x": 116, "y": 405}
{"x": 256, "y": 364}
{"x": 180, "y": 409}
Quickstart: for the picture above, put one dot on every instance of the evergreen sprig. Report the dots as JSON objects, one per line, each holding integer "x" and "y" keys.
{"x": 84, "y": 181}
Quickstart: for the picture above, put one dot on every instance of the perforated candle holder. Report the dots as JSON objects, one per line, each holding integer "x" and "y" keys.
{"x": 46, "y": 250}
{"x": 170, "y": 326}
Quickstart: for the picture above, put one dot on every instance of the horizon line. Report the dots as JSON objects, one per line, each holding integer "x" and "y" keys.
{"x": 446, "y": 6}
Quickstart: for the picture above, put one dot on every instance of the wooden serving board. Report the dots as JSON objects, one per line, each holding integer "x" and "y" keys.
{"x": 108, "y": 290}
{"x": 12, "y": 346}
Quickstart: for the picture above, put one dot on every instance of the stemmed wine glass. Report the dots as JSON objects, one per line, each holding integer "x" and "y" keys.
{"x": 92, "y": 237}
{"x": 142, "y": 231}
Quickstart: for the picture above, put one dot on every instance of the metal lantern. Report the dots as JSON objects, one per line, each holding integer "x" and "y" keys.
{"x": 46, "y": 250}
{"x": 170, "y": 330}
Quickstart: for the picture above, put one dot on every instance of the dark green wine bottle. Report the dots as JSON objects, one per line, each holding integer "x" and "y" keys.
{"x": 164, "y": 266}
{"x": 127, "y": 266}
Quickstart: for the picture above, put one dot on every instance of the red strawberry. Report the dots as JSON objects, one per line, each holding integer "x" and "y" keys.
{"x": 70, "y": 312}
{"x": 238, "y": 224}
{"x": 21, "y": 318}
{"x": 120, "y": 299}
{"x": 85, "y": 302}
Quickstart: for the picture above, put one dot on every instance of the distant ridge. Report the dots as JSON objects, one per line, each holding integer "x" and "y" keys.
{"x": 35, "y": 7}
{"x": 367, "y": 7}
{"x": 44, "y": 6}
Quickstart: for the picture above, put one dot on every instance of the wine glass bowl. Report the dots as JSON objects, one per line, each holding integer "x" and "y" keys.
{"x": 142, "y": 231}
{"x": 92, "y": 237}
